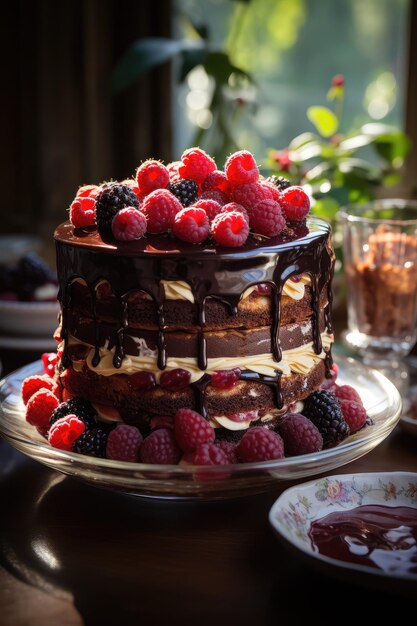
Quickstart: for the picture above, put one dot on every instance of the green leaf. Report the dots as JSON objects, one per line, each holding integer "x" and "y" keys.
{"x": 190, "y": 59}
{"x": 219, "y": 66}
{"x": 355, "y": 142}
{"x": 323, "y": 119}
{"x": 361, "y": 168}
{"x": 393, "y": 147}
{"x": 335, "y": 92}
{"x": 145, "y": 54}
{"x": 302, "y": 140}
{"x": 326, "y": 208}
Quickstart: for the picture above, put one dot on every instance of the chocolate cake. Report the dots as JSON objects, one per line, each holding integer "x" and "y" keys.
{"x": 157, "y": 324}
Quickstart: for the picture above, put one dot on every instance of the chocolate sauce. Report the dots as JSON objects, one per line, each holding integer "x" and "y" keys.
{"x": 210, "y": 271}
{"x": 373, "y": 535}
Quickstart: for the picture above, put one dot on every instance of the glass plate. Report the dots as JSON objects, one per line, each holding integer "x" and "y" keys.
{"x": 380, "y": 397}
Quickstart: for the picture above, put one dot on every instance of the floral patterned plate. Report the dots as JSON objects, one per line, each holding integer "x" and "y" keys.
{"x": 298, "y": 507}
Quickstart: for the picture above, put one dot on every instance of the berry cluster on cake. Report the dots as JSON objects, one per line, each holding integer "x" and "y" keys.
{"x": 196, "y": 314}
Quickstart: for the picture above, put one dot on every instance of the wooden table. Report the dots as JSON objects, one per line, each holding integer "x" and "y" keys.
{"x": 72, "y": 554}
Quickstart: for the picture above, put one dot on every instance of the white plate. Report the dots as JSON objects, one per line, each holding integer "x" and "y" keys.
{"x": 28, "y": 319}
{"x": 298, "y": 507}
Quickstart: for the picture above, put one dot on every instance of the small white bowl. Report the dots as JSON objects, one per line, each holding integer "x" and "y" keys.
{"x": 28, "y": 319}
{"x": 298, "y": 507}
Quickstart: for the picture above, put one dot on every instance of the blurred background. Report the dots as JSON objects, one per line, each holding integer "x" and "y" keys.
{"x": 322, "y": 92}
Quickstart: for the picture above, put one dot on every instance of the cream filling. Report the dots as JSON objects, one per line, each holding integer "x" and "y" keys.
{"x": 224, "y": 422}
{"x": 298, "y": 360}
{"x": 180, "y": 290}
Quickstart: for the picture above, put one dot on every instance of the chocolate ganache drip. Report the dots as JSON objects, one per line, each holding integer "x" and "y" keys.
{"x": 210, "y": 271}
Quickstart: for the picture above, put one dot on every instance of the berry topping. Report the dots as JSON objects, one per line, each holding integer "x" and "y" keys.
{"x": 346, "y": 392}
{"x": 175, "y": 380}
{"x": 152, "y": 175}
{"x": 279, "y": 182}
{"x": 49, "y": 363}
{"x": 266, "y": 218}
{"x": 263, "y": 289}
{"x": 225, "y": 379}
{"x": 39, "y": 409}
{"x": 160, "y": 447}
{"x": 162, "y": 421}
{"x": 191, "y": 430}
{"x": 92, "y": 442}
{"x": 216, "y": 180}
{"x": 83, "y": 409}
{"x": 123, "y": 443}
{"x": 196, "y": 164}
{"x": 142, "y": 380}
{"x": 322, "y": 408}
{"x": 65, "y": 432}
{"x": 110, "y": 200}
{"x": 160, "y": 209}
{"x": 300, "y": 435}
{"x": 241, "y": 168}
{"x": 173, "y": 171}
{"x": 186, "y": 191}
{"x": 229, "y": 449}
{"x": 295, "y": 204}
{"x": 233, "y": 206}
{"x": 128, "y": 224}
{"x": 354, "y": 414}
{"x": 88, "y": 191}
{"x": 215, "y": 194}
{"x": 191, "y": 224}
{"x": 207, "y": 454}
{"x": 260, "y": 444}
{"x": 82, "y": 212}
{"x": 250, "y": 194}
{"x": 230, "y": 229}
{"x": 32, "y": 384}
{"x": 211, "y": 207}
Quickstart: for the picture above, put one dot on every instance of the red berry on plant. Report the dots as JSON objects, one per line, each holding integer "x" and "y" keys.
{"x": 338, "y": 80}
{"x": 266, "y": 218}
{"x": 175, "y": 380}
{"x": 260, "y": 444}
{"x": 241, "y": 168}
{"x": 295, "y": 204}
{"x": 152, "y": 175}
{"x": 192, "y": 225}
{"x": 192, "y": 430}
{"x": 128, "y": 224}
{"x": 160, "y": 447}
{"x": 196, "y": 164}
{"x": 65, "y": 431}
{"x": 225, "y": 379}
{"x": 160, "y": 208}
{"x": 230, "y": 229}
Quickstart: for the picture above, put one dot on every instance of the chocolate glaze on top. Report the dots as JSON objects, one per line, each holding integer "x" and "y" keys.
{"x": 211, "y": 271}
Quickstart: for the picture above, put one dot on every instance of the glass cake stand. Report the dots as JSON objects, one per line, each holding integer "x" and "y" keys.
{"x": 380, "y": 397}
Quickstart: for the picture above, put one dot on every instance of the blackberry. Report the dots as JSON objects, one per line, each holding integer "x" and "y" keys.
{"x": 186, "y": 191}
{"x": 32, "y": 269}
{"x": 92, "y": 442}
{"x": 323, "y": 409}
{"x": 110, "y": 200}
{"x": 76, "y": 406}
{"x": 279, "y": 181}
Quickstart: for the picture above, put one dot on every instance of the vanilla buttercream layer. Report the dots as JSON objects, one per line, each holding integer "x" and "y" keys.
{"x": 299, "y": 360}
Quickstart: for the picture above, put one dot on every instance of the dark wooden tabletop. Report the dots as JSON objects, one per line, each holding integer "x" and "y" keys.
{"x": 73, "y": 554}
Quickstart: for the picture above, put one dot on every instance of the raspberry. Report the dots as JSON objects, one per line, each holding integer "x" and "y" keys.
{"x": 39, "y": 409}
{"x": 266, "y": 218}
{"x": 160, "y": 447}
{"x": 49, "y": 363}
{"x": 216, "y": 180}
{"x": 82, "y": 212}
{"x": 230, "y": 229}
{"x": 229, "y": 449}
{"x": 65, "y": 431}
{"x": 186, "y": 191}
{"x": 196, "y": 164}
{"x": 295, "y": 204}
{"x": 207, "y": 454}
{"x": 32, "y": 384}
{"x": 88, "y": 191}
{"x": 142, "y": 380}
{"x": 300, "y": 435}
{"x": 132, "y": 184}
{"x": 175, "y": 380}
{"x": 233, "y": 206}
{"x": 322, "y": 408}
{"x": 110, "y": 200}
{"x": 83, "y": 409}
{"x": 275, "y": 193}
{"x": 216, "y": 195}
{"x": 128, "y": 224}
{"x": 123, "y": 443}
{"x": 152, "y": 175}
{"x": 250, "y": 194}
{"x": 241, "y": 168}
{"x": 173, "y": 171}
{"x": 191, "y": 430}
{"x": 346, "y": 392}
{"x": 92, "y": 442}
{"x": 225, "y": 379}
{"x": 329, "y": 384}
{"x": 279, "y": 182}
{"x": 354, "y": 414}
{"x": 162, "y": 421}
{"x": 160, "y": 209}
{"x": 191, "y": 224}
{"x": 260, "y": 444}
{"x": 211, "y": 207}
